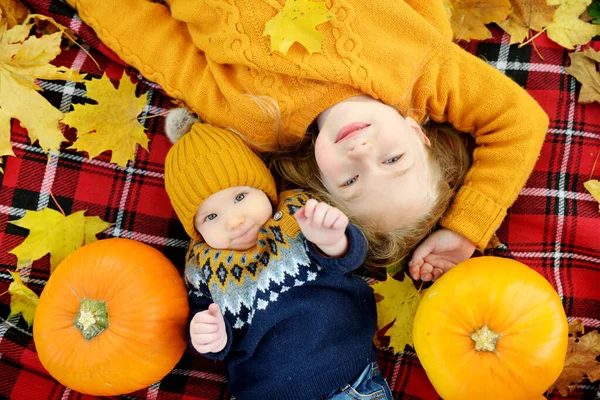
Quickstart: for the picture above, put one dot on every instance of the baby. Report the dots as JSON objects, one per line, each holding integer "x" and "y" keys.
{"x": 271, "y": 292}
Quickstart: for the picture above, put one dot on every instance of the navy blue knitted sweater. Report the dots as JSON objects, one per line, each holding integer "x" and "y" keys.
{"x": 299, "y": 324}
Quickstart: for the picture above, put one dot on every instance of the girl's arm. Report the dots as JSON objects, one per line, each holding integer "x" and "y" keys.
{"x": 509, "y": 128}
{"x": 146, "y": 36}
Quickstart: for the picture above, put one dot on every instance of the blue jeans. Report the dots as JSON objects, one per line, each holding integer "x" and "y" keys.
{"x": 370, "y": 385}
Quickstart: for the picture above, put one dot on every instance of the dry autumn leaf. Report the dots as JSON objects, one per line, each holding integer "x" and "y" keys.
{"x": 567, "y": 29}
{"x": 584, "y": 68}
{"x": 469, "y": 17}
{"x": 297, "y": 23}
{"x": 111, "y": 124}
{"x": 23, "y": 59}
{"x": 13, "y": 11}
{"x": 52, "y": 232}
{"x": 593, "y": 186}
{"x": 52, "y": 26}
{"x": 23, "y": 300}
{"x": 526, "y": 16}
{"x": 581, "y": 359}
{"x": 399, "y": 303}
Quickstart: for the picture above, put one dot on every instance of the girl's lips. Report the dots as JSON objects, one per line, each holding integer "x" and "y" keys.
{"x": 350, "y": 131}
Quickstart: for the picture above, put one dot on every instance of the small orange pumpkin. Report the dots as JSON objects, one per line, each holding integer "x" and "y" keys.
{"x": 491, "y": 328}
{"x": 111, "y": 319}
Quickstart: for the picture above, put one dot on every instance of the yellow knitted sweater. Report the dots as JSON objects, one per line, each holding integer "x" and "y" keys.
{"x": 212, "y": 55}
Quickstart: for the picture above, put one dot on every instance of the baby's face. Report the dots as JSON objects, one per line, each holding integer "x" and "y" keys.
{"x": 374, "y": 162}
{"x": 231, "y": 219}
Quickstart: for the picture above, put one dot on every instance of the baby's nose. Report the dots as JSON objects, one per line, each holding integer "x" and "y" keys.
{"x": 236, "y": 221}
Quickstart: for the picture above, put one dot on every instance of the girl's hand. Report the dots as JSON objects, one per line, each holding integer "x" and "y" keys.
{"x": 207, "y": 330}
{"x": 324, "y": 226}
{"x": 442, "y": 250}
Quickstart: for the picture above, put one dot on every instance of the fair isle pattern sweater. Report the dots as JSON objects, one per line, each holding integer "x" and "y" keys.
{"x": 299, "y": 324}
{"x": 214, "y": 57}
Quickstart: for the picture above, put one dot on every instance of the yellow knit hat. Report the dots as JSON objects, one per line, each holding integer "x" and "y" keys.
{"x": 206, "y": 160}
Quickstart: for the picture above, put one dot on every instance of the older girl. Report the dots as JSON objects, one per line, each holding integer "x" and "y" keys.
{"x": 384, "y": 68}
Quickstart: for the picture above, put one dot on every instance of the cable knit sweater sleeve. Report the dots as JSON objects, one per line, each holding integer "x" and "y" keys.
{"x": 509, "y": 128}
{"x": 146, "y": 36}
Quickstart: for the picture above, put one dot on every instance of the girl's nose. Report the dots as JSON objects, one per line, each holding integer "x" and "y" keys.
{"x": 359, "y": 149}
{"x": 236, "y": 221}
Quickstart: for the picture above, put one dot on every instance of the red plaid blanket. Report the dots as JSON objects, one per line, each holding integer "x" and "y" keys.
{"x": 554, "y": 226}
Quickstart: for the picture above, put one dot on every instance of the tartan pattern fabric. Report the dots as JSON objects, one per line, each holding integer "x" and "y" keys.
{"x": 554, "y": 226}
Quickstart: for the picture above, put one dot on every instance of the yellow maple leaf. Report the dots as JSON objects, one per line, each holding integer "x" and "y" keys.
{"x": 23, "y": 300}
{"x": 583, "y": 68}
{"x": 23, "y": 59}
{"x": 297, "y": 22}
{"x": 399, "y": 305}
{"x": 112, "y": 123}
{"x": 469, "y": 17}
{"x": 55, "y": 233}
{"x": 593, "y": 186}
{"x": 580, "y": 362}
{"x": 526, "y": 16}
{"x": 567, "y": 29}
{"x": 14, "y": 11}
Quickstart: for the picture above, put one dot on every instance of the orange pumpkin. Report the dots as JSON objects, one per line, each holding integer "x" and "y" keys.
{"x": 491, "y": 328}
{"x": 111, "y": 319}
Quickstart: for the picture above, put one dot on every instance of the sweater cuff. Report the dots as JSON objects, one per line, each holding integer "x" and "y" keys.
{"x": 354, "y": 257}
{"x": 474, "y": 215}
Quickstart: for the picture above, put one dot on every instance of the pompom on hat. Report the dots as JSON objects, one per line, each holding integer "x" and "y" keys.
{"x": 207, "y": 160}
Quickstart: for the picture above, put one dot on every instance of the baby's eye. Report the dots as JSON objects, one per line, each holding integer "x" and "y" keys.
{"x": 240, "y": 197}
{"x": 210, "y": 217}
{"x": 392, "y": 160}
{"x": 350, "y": 181}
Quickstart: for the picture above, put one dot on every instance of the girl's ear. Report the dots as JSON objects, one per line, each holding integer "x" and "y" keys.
{"x": 418, "y": 130}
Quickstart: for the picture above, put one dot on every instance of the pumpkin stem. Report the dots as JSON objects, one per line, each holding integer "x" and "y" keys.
{"x": 92, "y": 318}
{"x": 485, "y": 339}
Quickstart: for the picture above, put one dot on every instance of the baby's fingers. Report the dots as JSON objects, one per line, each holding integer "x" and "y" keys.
{"x": 309, "y": 208}
{"x": 319, "y": 215}
{"x": 213, "y": 346}
{"x": 204, "y": 339}
{"x": 331, "y": 216}
{"x": 341, "y": 222}
{"x": 200, "y": 328}
{"x": 300, "y": 215}
{"x": 204, "y": 317}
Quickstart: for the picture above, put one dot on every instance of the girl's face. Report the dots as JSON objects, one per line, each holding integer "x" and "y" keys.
{"x": 374, "y": 162}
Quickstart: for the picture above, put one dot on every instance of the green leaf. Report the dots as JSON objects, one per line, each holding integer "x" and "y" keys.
{"x": 594, "y": 11}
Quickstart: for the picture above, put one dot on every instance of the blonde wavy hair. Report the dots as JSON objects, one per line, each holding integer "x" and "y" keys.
{"x": 450, "y": 157}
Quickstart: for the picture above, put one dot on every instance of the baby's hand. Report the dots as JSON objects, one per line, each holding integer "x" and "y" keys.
{"x": 207, "y": 330}
{"x": 324, "y": 226}
{"x": 442, "y": 250}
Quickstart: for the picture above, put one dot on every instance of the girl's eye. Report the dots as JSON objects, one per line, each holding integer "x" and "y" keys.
{"x": 350, "y": 181}
{"x": 210, "y": 217}
{"x": 240, "y": 197}
{"x": 392, "y": 160}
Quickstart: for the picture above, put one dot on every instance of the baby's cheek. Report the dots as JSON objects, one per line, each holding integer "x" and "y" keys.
{"x": 210, "y": 236}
